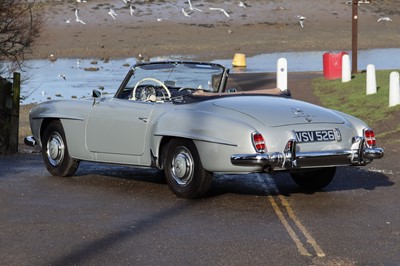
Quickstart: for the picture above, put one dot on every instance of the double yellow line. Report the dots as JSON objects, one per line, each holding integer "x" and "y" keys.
{"x": 290, "y": 221}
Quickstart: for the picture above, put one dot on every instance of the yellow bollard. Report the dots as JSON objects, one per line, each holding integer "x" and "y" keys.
{"x": 239, "y": 60}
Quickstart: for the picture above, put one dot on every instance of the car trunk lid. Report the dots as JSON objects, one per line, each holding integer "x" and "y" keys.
{"x": 277, "y": 111}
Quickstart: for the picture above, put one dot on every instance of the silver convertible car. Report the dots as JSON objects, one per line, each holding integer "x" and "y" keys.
{"x": 191, "y": 120}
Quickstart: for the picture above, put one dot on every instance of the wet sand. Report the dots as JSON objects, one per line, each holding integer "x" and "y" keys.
{"x": 159, "y": 28}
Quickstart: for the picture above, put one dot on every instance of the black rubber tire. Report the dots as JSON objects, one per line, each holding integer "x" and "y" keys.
{"x": 55, "y": 151}
{"x": 314, "y": 179}
{"x": 183, "y": 170}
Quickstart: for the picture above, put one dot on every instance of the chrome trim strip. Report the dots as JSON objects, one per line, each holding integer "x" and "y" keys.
{"x": 373, "y": 153}
{"x": 341, "y": 157}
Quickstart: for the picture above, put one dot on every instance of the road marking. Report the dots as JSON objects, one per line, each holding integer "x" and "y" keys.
{"x": 300, "y": 247}
{"x": 270, "y": 186}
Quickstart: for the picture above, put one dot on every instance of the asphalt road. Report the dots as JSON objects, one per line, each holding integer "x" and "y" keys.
{"x": 109, "y": 215}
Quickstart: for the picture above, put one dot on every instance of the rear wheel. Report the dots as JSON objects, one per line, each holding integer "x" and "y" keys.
{"x": 314, "y": 179}
{"x": 184, "y": 172}
{"x": 55, "y": 151}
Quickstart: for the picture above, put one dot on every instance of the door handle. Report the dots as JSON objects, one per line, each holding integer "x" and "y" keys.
{"x": 144, "y": 119}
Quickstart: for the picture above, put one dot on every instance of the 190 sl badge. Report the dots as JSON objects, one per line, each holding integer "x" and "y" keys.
{"x": 300, "y": 113}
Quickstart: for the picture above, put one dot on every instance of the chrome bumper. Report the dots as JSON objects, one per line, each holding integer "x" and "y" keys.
{"x": 30, "y": 141}
{"x": 290, "y": 159}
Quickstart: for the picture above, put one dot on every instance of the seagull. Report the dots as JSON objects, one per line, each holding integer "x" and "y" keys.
{"x": 241, "y": 4}
{"x": 301, "y": 20}
{"x": 77, "y": 19}
{"x": 186, "y": 14}
{"x": 131, "y": 9}
{"x": 67, "y": 21}
{"x": 112, "y": 13}
{"x": 359, "y": 2}
{"x": 143, "y": 58}
{"x": 384, "y": 19}
{"x": 62, "y": 76}
{"x": 52, "y": 58}
{"x": 193, "y": 8}
{"x": 279, "y": 8}
{"x": 221, "y": 10}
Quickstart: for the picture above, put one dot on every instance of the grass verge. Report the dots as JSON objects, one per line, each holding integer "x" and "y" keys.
{"x": 350, "y": 97}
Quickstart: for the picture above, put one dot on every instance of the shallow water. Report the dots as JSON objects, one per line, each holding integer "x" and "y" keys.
{"x": 45, "y": 81}
{"x": 312, "y": 61}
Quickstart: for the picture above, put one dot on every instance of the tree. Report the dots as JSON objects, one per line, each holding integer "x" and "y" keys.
{"x": 20, "y": 25}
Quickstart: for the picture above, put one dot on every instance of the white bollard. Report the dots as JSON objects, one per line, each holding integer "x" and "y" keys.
{"x": 346, "y": 71}
{"x": 371, "y": 79}
{"x": 281, "y": 74}
{"x": 394, "y": 89}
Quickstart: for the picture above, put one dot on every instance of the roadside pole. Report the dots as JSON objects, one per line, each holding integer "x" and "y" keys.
{"x": 14, "y": 119}
{"x": 354, "y": 38}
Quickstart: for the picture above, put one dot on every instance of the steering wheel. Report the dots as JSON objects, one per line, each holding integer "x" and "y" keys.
{"x": 150, "y": 79}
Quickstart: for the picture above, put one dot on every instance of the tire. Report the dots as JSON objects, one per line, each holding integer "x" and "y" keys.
{"x": 183, "y": 170}
{"x": 55, "y": 151}
{"x": 314, "y": 179}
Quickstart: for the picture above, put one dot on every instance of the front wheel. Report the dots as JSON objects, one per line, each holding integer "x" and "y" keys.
{"x": 183, "y": 169}
{"x": 314, "y": 179}
{"x": 55, "y": 151}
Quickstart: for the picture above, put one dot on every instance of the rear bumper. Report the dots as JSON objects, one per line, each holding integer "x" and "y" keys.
{"x": 289, "y": 159}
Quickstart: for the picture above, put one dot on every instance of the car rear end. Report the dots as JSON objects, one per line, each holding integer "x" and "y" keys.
{"x": 310, "y": 145}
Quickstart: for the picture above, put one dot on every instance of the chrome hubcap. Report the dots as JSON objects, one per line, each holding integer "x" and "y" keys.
{"x": 182, "y": 167}
{"x": 55, "y": 149}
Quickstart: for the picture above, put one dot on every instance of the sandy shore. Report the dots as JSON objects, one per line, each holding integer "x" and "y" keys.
{"x": 159, "y": 28}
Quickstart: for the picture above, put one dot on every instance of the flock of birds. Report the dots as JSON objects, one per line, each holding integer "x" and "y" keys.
{"x": 190, "y": 9}
{"x": 185, "y": 11}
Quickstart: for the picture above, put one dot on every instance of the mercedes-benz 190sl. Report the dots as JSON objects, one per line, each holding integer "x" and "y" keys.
{"x": 190, "y": 121}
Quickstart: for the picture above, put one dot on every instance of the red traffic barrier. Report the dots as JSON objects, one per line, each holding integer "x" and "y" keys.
{"x": 332, "y": 65}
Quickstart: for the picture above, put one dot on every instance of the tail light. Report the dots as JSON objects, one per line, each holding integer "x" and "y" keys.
{"x": 258, "y": 142}
{"x": 369, "y": 137}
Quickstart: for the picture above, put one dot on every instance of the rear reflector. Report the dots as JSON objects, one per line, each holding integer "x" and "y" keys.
{"x": 369, "y": 136}
{"x": 258, "y": 142}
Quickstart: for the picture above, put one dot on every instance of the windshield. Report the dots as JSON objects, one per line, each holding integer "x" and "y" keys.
{"x": 202, "y": 76}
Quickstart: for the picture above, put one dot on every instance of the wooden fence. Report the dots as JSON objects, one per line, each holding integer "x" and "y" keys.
{"x": 9, "y": 114}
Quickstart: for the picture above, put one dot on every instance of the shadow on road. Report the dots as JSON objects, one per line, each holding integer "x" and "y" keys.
{"x": 93, "y": 174}
{"x": 85, "y": 252}
{"x": 346, "y": 178}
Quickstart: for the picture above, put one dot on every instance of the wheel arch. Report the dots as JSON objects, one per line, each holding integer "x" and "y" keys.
{"x": 209, "y": 162}
{"x": 45, "y": 123}
{"x": 159, "y": 153}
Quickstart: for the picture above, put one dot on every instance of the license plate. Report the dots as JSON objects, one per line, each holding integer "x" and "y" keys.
{"x": 316, "y": 135}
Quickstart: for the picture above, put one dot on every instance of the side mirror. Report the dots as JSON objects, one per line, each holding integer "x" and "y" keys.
{"x": 96, "y": 94}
